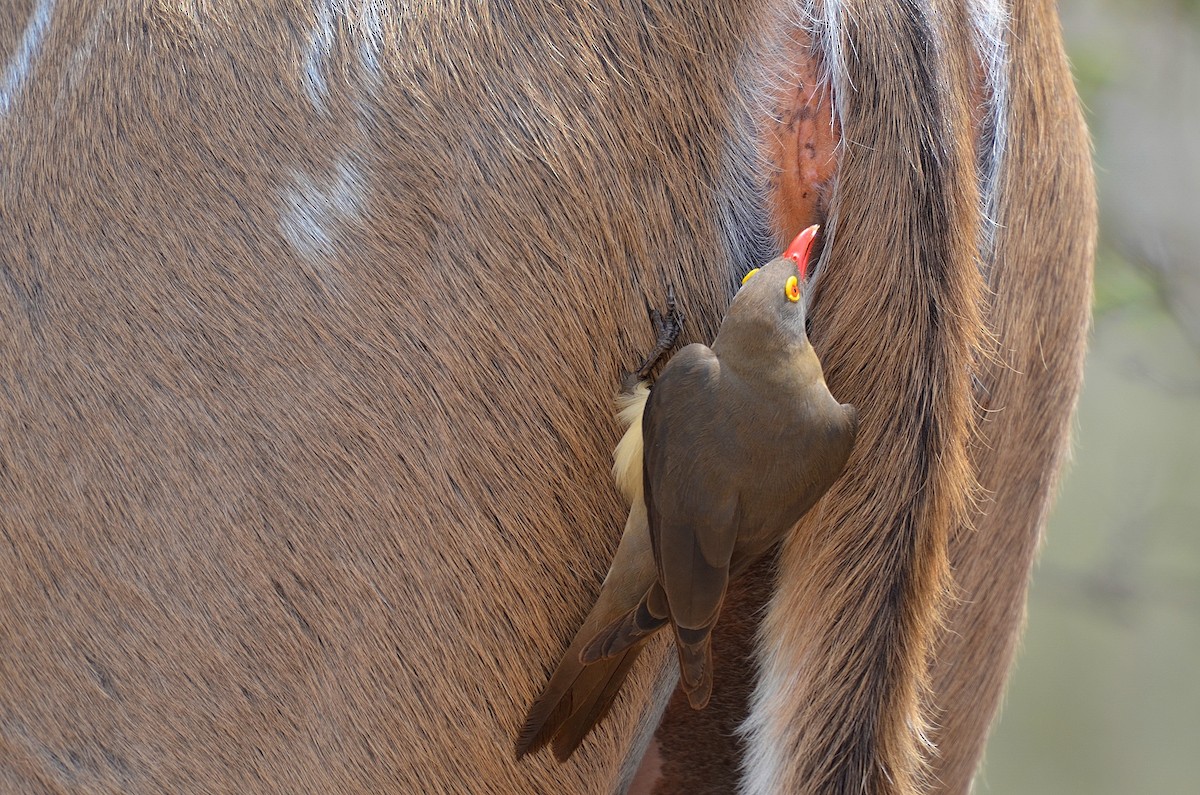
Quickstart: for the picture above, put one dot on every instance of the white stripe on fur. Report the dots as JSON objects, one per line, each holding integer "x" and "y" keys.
{"x": 23, "y": 60}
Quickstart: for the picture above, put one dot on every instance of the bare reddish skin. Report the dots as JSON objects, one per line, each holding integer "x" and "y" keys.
{"x": 803, "y": 147}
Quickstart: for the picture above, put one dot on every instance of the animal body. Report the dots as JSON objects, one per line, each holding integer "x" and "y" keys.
{"x": 733, "y": 446}
{"x": 309, "y": 316}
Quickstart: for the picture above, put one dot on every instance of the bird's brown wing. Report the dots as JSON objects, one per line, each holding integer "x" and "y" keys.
{"x": 691, "y": 500}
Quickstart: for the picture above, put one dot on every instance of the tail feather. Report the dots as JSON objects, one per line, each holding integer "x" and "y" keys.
{"x": 641, "y": 622}
{"x": 581, "y": 691}
{"x": 593, "y": 709}
{"x": 576, "y": 698}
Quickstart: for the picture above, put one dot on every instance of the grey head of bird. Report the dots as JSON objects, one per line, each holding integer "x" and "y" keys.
{"x": 768, "y": 313}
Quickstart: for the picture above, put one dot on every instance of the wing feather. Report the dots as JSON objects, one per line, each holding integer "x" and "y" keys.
{"x": 691, "y": 505}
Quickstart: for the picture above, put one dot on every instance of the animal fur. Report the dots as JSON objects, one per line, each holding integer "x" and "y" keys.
{"x": 310, "y": 317}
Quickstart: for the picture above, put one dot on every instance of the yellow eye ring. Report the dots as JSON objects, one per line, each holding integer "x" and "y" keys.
{"x": 792, "y": 289}
{"x": 746, "y": 278}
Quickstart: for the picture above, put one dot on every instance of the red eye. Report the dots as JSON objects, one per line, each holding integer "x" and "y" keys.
{"x": 792, "y": 289}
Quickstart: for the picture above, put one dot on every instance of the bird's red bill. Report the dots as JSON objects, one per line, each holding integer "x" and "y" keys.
{"x": 801, "y": 248}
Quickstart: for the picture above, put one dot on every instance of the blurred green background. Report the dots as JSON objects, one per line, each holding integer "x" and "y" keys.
{"x": 1105, "y": 698}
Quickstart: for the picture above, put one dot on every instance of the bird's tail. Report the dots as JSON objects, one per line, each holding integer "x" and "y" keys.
{"x": 650, "y": 615}
{"x": 576, "y": 698}
{"x": 579, "y": 694}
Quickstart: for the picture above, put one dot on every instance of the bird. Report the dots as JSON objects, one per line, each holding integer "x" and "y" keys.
{"x": 723, "y": 455}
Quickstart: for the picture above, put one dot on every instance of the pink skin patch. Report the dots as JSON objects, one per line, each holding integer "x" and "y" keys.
{"x": 801, "y": 249}
{"x": 801, "y": 142}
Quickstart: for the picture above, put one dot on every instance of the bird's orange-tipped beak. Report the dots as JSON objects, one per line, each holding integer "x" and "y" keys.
{"x": 801, "y": 248}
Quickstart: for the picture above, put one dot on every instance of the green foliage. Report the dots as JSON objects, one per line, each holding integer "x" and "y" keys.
{"x": 1121, "y": 285}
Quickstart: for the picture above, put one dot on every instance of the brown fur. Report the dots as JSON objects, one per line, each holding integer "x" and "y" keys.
{"x": 862, "y": 581}
{"x": 1038, "y": 288}
{"x": 294, "y": 513}
{"x": 1039, "y": 298}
